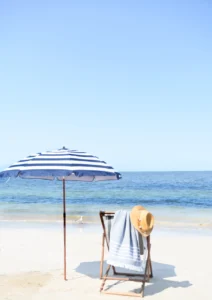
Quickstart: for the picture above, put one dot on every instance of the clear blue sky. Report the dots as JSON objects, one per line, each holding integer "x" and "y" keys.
{"x": 128, "y": 81}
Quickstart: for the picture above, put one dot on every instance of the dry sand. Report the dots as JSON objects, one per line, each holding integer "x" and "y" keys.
{"x": 31, "y": 266}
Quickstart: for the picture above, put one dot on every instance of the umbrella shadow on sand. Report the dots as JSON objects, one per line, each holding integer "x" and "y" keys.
{"x": 157, "y": 284}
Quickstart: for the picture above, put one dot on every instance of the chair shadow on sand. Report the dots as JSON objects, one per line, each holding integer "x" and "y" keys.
{"x": 157, "y": 284}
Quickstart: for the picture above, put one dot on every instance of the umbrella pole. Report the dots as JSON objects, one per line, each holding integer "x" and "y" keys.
{"x": 64, "y": 227}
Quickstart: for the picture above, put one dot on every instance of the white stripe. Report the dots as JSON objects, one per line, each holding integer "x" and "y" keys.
{"x": 122, "y": 245}
{"x": 131, "y": 259}
{"x": 61, "y": 168}
{"x": 125, "y": 252}
{"x": 63, "y": 162}
{"x": 132, "y": 249}
{"x": 124, "y": 257}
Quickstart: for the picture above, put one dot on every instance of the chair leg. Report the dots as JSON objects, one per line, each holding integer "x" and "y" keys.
{"x": 150, "y": 264}
{"x": 102, "y": 256}
{"x": 105, "y": 278}
{"x": 146, "y": 276}
{"x": 150, "y": 269}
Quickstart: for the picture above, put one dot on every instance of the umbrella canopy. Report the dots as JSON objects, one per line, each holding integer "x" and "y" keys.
{"x": 62, "y": 164}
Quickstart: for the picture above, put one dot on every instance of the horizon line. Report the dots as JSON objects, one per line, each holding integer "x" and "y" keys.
{"x": 167, "y": 171}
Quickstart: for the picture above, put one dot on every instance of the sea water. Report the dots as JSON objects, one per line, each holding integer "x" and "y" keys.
{"x": 183, "y": 197}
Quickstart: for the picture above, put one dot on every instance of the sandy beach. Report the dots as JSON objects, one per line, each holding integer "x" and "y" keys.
{"x": 31, "y": 261}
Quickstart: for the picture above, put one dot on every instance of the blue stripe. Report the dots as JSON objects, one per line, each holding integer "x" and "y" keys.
{"x": 65, "y": 154}
{"x": 61, "y": 159}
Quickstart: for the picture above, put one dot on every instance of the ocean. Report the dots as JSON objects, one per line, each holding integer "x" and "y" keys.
{"x": 180, "y": 197}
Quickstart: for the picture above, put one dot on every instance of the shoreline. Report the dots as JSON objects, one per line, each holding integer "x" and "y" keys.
{"x": 163, "y": 214}
{"x": 169, "y": 228}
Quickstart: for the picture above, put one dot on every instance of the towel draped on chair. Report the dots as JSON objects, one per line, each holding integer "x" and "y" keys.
{"x": 124, "y": 251}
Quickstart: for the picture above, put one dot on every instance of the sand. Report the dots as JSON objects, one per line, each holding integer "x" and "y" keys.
{"x": 31, "y": 265}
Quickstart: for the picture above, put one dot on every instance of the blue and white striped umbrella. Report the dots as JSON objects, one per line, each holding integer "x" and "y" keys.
{"x": 62, "y": 164}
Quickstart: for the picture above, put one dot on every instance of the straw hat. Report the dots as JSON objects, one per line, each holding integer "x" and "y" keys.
{"x": 142, "y": 220}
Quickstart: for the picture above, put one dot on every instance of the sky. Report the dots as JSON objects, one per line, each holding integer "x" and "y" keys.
{"x": 127, "y": 81}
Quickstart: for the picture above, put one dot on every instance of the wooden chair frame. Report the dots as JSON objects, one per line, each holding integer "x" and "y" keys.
{"x": 143, "y": 278}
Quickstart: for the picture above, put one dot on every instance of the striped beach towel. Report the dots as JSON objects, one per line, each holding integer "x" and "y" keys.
{"x": 124, "y": 251}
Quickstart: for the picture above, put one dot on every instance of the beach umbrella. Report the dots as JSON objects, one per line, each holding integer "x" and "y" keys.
{"x": 62, "y": 164}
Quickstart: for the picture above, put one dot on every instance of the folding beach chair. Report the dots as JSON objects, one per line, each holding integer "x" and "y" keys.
{"x": 106, "y": 221}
